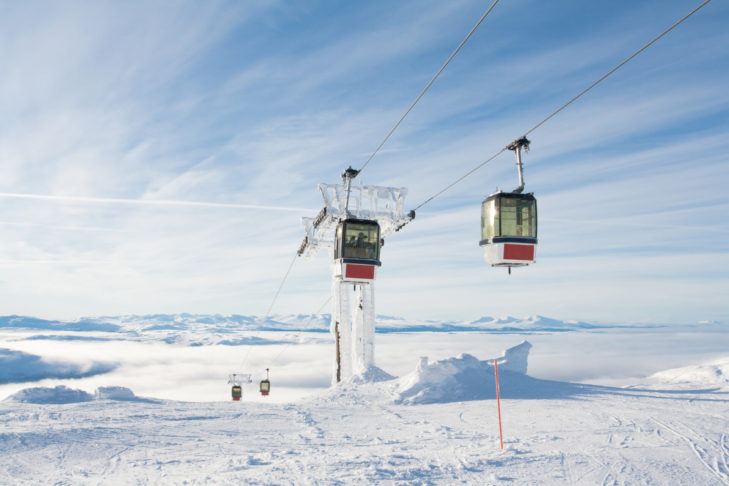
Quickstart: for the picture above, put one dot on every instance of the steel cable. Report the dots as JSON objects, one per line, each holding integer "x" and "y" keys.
{"x": 675, "y": 24}
{"x": 412, "y": 105}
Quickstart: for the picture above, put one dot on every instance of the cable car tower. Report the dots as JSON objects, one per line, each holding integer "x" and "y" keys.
{"x": 509, "y": 221}
{"x": 353, "y": 223}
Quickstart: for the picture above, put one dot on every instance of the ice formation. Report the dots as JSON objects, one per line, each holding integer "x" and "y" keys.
{"x": 462, "y": 378}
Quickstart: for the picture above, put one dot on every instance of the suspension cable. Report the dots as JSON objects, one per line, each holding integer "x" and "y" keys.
{"x": 387, "y": 137}
{"x": 678, "y": 22}
{"x": 268, "y": 312}
{"x": 616, "y": 68}
{"x": 306, "y": 326}
{"x": 460, "y": 179}
{"x": 275, "y": 297}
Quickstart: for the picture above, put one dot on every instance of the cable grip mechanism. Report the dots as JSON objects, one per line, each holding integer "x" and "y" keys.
{"x": 516, "y": 146}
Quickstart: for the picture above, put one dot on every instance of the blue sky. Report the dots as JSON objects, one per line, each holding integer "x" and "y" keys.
{"x": 157, "y": 156}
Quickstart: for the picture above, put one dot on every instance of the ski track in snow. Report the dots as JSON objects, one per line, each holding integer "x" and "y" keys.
{"x": 672, "y": 431}
{"x": 358, "y": 436}
{"x": 705, "y": 453}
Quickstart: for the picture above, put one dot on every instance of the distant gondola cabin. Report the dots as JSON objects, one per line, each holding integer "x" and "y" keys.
{"x": 237, "y": 392}
{"x": 357, "y": 250}
{"x": 265, "y": 387}
{"x": 509, "y": 229}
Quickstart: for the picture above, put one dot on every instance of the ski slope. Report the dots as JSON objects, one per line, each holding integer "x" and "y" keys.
{"x": 418, "y": 421}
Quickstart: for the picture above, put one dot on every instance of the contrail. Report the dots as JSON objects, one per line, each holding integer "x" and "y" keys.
{"x": 58, "y": 227}
{"x": 14, "y": 263}
{"x": 148, "y": 202}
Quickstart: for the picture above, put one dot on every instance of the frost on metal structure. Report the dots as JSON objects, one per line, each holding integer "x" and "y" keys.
{"x": 353, "y": 303}
{"x": 353, "y": 328}
{"x": 383, "y": 204}
{"x": 240, "y": 378}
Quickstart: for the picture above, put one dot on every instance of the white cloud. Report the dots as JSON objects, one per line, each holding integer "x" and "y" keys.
{"x": 227, "y": 116}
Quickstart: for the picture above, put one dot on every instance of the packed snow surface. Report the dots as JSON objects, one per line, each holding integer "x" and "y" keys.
{"x": 427, "y": 416}
{"x": 358, "y": 434}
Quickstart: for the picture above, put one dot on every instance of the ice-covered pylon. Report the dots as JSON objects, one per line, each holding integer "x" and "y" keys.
{"x": 356, "y": 236}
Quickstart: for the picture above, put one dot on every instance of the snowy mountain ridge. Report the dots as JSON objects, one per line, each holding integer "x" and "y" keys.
{"x": 224, "y": 326}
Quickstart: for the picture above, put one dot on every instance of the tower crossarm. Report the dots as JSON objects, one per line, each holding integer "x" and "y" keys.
{"x": 382, "y": 204}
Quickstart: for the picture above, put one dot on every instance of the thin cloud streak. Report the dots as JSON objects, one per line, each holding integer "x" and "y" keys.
{"x": 153, "y": 202}
{"x": 61, "y": 228}
{"x": 179, "y": 119}
{"x": 14, "y": 263}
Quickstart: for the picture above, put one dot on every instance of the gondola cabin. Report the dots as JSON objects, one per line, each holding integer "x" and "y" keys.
{"x": 265, "y": 385}
{"x": 509, "y": 229}
{"x": 237, "y": 392}
{"x": 357, "y": 250}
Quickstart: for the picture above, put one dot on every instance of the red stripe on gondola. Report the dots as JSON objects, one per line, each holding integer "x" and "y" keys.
{"x": 359, "y": 271}
{"x": 518, "y": 252}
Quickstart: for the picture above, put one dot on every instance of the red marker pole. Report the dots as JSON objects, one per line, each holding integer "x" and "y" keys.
{"x": 498, "y": 403}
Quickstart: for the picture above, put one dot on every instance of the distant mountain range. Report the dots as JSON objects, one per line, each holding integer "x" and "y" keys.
{"x": 200, "y": 329}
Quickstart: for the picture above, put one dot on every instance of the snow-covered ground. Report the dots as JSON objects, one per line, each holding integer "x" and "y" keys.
{"x": 144, "y": 399}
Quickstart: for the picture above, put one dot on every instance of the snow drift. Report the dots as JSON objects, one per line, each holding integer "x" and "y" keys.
{"x": 62, "y": 394}
{"x": 457, "y": 379}
{"x": 715, "y": 373}
{"x": 43, "y": 395}
{"x": 452, "y": 379}
{"x": 373, "y": 374}
{"x": 118, "y": 393}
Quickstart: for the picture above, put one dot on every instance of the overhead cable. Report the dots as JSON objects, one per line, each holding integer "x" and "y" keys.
{"x": 305, "y": 327}
{"x": 551, "y": 115}
{"x": 270, "y": 307}
{"x": 616, "y": 68}
{"x": 387, "y": 137}
{"x": 275, "y": 297}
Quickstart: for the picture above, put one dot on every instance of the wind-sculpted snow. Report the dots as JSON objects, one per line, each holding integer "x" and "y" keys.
{"x": 20, "y": 367}
{"x": 711, "y": 374}
{"x": 354, "y": 433}
{"x": 466, "y": 378}
{"x": 119, "y": 394}
{"x": 453, "y": 379}
{"x": 43, "y": 395}
{"x": 516, "y": 358}
{"x": 459, "y": 379}
{"x": 463, "y": 378}
{"x": 373, "y": 374}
